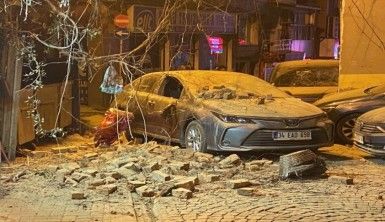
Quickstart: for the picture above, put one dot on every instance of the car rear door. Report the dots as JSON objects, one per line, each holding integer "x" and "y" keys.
{"x": 134, "y": 99}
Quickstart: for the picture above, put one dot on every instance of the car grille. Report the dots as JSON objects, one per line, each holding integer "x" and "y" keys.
{"x": 264, "y": 138}
{"x": 367, "y": 128}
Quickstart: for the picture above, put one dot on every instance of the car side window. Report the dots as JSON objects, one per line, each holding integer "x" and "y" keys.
{"x": 171, "y": 87}
{"x": 146, "y": 83}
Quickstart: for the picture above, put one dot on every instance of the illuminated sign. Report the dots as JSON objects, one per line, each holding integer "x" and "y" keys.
{"x": 216, "y": 44}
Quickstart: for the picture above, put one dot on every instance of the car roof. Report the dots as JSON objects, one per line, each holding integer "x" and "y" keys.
{"x": 284, "y": 67}
{"x": 196, "y": 79}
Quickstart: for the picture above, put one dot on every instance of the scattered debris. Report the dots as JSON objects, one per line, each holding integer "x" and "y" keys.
{"x": 151, "y": 167}
{"x": 145, "y": 191}
{"x": 341, "y": 180}
{"x": 301, "y": 163}
{"x": 235, "y": 184}
{"x": 246, "y": 191}
{"x": 208, "y": 178}
{"x": 182, "y": 193}
{"x": 16, "y": 177}
{"x": 230, "y": 161}
{"x": 108, "y": 189}
{"x": 91, "y": 155}
{"x": 160, "y": 176}
{"x": 133, "y": 184}
{"x": 78, "y": 195}
{"x": 66, "y": 149}
{"x": 186, "y": 182}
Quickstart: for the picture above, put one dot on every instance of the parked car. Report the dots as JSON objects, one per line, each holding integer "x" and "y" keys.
{"x": 344, "y": 108}
{"x": 308, "y": 80}
{"x": 222, "y": 111}
{"x": 369, "y": 132}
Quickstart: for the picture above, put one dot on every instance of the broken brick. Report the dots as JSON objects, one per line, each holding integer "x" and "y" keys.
{"x": 79, "y": 176}
{"x": 133, "y": 184}
{"x": 341, "y": 180}
{"x": 160, "y": 176}
{"x": 108, "y": 189}
{"x": 151, "y": 167}
{"x": 230, "y": 161}
{"x": 145, "y": 191}
{"x": 97, "y": 182}
{"x": 246, "y": 191}
{"x": 177, "y": 166}
{"x": 182, "y": 193}
{"x": 78, "y": 195}
{"x": 187, "y": 182}
{"x": 235, "y": 184}
{"x": 208, "y": 178}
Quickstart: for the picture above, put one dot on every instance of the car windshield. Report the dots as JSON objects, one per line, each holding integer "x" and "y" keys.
{"x": 229, "y": 82}
{"x": 375, "y": 90}
{"x": 309, "y": 76}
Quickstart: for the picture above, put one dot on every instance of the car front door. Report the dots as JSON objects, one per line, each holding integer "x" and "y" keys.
{"x": 161, "y": 108}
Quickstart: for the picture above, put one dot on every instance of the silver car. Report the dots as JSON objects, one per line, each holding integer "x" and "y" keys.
{"x": 222, "y": 111}
{"x": 369, "y": 132}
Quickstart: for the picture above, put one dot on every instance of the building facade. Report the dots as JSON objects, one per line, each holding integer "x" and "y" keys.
{"x": 362, "y": 45}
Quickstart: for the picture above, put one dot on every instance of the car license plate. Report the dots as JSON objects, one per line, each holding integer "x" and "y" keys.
{"x": 292, "y": 135}
{"x": 358, "y": 138}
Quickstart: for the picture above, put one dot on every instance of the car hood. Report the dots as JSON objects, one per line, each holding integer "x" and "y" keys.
{"x": 374, "y": 116}
{"x": 342, "y": 96}
{"x": 276, "y": 108}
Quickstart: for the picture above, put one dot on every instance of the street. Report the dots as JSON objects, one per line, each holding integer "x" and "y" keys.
{"x": 39, "y": 187}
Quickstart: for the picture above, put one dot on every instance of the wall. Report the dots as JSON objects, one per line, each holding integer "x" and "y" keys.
{"x": 363, "y": 43}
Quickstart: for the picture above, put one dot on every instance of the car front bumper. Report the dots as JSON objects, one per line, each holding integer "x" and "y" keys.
{"x": 259, "y": 136}
{"x": 371, "y": 143}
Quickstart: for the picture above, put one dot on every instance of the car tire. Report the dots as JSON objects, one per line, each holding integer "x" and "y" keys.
{"x": 344, "y": 128}
{"x": 195, "y": 137}
{"x": 136, "y": 138}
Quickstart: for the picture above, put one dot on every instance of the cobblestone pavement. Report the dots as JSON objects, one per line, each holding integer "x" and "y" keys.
{"x": 312, "y": 199}
{"x": 49, "y": 203}
{"x": 305, "y": 200}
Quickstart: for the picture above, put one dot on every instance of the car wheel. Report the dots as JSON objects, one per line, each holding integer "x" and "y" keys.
{"x": 195, "y": 137}
{"x": 344, "y": 128}
{"x": 136, "y": 138}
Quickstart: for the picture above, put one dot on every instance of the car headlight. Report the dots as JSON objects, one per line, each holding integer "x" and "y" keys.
{"x": 232, "y": 119}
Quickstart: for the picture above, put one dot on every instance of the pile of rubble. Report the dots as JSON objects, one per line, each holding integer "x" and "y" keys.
{"x": 222, "y": 92}
{"x": 153, "y": 170}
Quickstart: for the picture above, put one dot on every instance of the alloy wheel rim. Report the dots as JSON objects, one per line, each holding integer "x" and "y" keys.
{"x": 194, "y": 139}
{"x": 347, "y": 128}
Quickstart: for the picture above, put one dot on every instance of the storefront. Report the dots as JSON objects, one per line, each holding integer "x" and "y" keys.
{"x": 189, "y": 42}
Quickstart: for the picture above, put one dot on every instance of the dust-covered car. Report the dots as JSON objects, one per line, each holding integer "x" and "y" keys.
{"x": 369, "y": 132}
{"x": 223, "y": 111}
{"x": 343, "y": 108}
{"x": 308, "y": 80}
